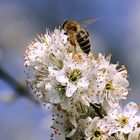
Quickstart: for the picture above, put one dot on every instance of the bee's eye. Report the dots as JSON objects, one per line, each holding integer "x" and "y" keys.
{"x": 64, "y": 23}
{"x": 74, "y": 28}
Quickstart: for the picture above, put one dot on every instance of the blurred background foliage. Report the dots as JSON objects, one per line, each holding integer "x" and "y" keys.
{"x": 117, "y": 32}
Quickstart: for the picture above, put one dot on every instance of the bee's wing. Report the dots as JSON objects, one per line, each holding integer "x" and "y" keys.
{"x": 87, "y": 22}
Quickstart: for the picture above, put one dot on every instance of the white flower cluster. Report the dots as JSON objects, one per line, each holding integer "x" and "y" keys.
{"x": 84, "y": 90}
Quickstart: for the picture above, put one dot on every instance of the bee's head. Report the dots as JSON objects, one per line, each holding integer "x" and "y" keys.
{"x": 70, "y": 26}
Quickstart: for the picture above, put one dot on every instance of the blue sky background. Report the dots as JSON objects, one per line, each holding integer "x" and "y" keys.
{"x": 116, "y": 32}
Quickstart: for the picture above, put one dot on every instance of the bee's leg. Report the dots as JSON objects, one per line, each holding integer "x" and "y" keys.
{"x": 73, "y": 43}
{"x": 75, "y": 49}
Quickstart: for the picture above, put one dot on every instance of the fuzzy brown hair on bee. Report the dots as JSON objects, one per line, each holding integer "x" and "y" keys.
{"x": 77, "y": 35}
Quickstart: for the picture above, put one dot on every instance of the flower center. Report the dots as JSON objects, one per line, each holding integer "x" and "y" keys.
{"x": 123, "y": 121}
{"x": 109, "y": 86}
{"x": 74, "y": 76}
{"x": 61, "y": 89}
{"x": 97, "y": 133}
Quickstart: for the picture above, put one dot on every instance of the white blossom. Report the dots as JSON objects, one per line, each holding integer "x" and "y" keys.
{"x": 93, "y": 132}
{"x": 123, "y": 121}
{"x": 108, "y": 84}
{"x": 72, "y": 83}
{"x": 63, "y": 124}
{"x": 74, "y": 74}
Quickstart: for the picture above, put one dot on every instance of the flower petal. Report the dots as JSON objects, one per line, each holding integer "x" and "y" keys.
{"x": 115, "y": 112}
{"x": 83, "y": 83}
{"x": 70, "y": 89}
{"x": 130, "y": 109}
{"x": 127, "y": 129}
{"x": 134, "y": 135}
{"x": 61, "y": 77}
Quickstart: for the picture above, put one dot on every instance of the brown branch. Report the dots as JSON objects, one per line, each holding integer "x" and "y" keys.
{"x": 19, "y": 88}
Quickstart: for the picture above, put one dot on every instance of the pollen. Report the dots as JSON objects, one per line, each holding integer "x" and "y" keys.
{"x": 77, "y": 58}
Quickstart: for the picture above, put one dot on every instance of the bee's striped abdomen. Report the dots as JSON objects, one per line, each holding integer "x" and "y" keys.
{"x": 83, "y": 41}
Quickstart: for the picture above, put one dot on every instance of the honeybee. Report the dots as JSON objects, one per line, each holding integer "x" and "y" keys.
{"x": 77, "y": 35}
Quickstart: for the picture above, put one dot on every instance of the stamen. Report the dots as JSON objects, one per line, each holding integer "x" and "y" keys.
{"x": 58, "y": 63}
{"x": 74, "y": 76}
